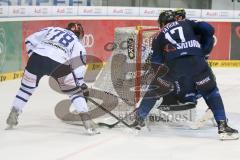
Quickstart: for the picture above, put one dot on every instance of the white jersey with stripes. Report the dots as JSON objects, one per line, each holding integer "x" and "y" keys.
{"x": 57, "y": 43}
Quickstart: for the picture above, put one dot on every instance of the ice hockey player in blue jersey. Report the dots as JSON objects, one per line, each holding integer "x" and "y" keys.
{"x": 206, "y": 39}
{"x": 178, "y": 47}
{"x": 170, "y": 102}
{"x": 59, "y": 53}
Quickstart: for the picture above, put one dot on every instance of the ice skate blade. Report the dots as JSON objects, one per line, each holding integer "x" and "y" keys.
{"x": 227, "y": 136}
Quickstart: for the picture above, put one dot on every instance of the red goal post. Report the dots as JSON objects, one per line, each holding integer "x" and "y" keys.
{"x": 135, "y": 44}
{"x": 144, "y": 43}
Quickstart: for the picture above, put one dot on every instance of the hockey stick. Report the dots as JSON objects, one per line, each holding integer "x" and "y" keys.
{"x": 107, "y": 111}
{"x": 116, "y": 123}
{"x": 152, "y": 77}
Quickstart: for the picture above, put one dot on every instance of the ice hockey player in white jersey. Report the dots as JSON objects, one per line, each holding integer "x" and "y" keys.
{"x": 59, "y": 53}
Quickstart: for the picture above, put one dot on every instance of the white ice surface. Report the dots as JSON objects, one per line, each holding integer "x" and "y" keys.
{"x": 41, "y": 136}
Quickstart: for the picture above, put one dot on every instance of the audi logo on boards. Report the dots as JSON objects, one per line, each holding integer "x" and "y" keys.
{"x": 88, "y": 40}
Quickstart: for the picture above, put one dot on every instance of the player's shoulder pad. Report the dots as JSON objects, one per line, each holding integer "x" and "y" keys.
{"x": 206, "y": 27}
{"x": 157, "y": 39}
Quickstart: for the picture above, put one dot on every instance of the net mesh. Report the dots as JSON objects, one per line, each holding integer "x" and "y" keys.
{"x": 122, "y": 74}
{"x": 119, "y": 76}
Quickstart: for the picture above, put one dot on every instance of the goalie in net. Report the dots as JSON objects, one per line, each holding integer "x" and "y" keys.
{"x": 178, "y": 48}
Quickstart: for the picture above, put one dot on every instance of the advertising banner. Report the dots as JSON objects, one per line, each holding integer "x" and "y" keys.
{"x": 99, "y": 37}
{"x": 73, "y": 7}
{"x": 99, "y": 34}
{"x": 39, "y": 10}
{"x": 123, "y": 11}
{"x": 18, "y": 11}
{"x": 10, "y": 46}
{"x": 3, "y": 11}
{"x": 10, "y": 75}
{"x": 149, "y": 12}
{"x": 224, "y": 63}
{"x": 236, "y": 14}
{"x": 193, "y": 13}
{"x": 222, "y": 41}
{"x": 64, "y": 10}
{"x": 235, "y": 42}
{"x": 92, "y": 11}
{"x": 217, "y": 13}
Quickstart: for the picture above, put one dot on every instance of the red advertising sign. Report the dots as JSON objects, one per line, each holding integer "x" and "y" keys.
{"x": 222, "y": 41}
{"x": 98, "y": 33}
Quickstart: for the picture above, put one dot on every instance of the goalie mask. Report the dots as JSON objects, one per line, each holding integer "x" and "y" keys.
{"x": 166, "y": 17}
{"x": 77, "y": 29}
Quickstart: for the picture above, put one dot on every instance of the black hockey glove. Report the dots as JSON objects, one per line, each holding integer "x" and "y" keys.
{"x": 85, "y": 90}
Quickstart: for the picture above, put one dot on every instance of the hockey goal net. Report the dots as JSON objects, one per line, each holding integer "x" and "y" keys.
{"x": 122, "y": 74}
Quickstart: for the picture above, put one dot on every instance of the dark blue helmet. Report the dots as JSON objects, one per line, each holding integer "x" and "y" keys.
{"x": 165, "y": 17}
{"x": 180, "y": 12}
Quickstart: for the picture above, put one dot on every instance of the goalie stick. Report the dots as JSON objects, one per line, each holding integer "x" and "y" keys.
{"x": 116, "y": 123}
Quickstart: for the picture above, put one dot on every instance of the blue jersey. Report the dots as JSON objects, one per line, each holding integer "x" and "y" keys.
{"x": 180, "y": 38}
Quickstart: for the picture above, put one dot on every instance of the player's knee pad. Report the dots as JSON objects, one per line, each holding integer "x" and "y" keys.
{"x": 29, "y": 80}
{"x": 205, "y": 82}
{"x": 67, "y": 84}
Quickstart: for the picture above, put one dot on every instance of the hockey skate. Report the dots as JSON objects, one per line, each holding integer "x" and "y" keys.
{"x": 88, "y": 124}
{"x": 225, "y": 132}
{"x": 139, "y": 123}
{"x": 12, "y": 119}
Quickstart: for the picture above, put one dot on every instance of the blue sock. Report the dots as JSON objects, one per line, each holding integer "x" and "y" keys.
{"x": 145, "y": 106}
{"x": 214, "y": 102}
